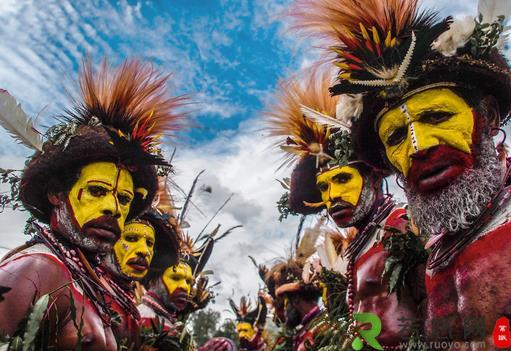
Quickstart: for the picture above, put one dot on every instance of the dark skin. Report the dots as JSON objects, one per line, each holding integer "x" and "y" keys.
{"x": 371, "y": 293}
{"x": 297, "y": 309}
{"x": 32, "y": 276}
{"x": 466, "y": 298}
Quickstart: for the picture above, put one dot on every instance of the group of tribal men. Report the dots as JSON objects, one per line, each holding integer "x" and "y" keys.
{"x": 412, "y": 95}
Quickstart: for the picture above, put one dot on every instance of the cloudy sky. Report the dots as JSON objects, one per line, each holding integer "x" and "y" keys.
{"x": 228, "y": 54}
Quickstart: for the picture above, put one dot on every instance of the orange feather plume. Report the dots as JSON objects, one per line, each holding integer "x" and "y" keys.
{"x": 132, "y": 98}
{"x": 299, "y": 136}
{"x": 348, "y": 19}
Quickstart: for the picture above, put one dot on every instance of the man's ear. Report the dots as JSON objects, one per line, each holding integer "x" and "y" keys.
{"x": 55, "y": 199}
{"x": 490, "y": 108}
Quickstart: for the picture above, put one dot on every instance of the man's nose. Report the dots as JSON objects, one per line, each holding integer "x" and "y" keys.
{"x": 421, "y": 154}
{"x": 111, "y": 206}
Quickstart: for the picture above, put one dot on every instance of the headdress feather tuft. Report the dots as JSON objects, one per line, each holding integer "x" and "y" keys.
{"x": 132, "y": 100}
{"x": 299, "y": 135}
{"x": 374, "y": 41}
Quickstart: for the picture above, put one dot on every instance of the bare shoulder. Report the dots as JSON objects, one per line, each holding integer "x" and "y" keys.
{"x": 34, "y": 267}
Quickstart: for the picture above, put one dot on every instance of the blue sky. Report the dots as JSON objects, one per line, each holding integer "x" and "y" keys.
{"x": 228, "y": 53}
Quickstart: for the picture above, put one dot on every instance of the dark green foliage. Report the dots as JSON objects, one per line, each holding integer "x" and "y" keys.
{"x": 227, "y": 330}
{"x": 337, "y": 286}
{"x": 485, "y": 36}
{"x": 339, "y": 146}
{"x": 11, "y": 198}
{"x": 406, "y": 252}
{"x": 204, "y": 323}
{"x": 157, "y": 338}
{"x": 332, "y": 326}
{"x": 283, "y": 207}
{"x": 284, "y": 339}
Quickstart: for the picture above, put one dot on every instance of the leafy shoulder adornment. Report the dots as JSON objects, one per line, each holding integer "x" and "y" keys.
{"x": 406, "y": 252}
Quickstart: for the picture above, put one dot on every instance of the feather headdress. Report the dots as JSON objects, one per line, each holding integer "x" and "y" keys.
{"x": 245, "y": 313}
{"x": 375, "y": 41}
{"x": 131, "y": 102}
{"x": 299, "y": 96}
{"x": 120, "y": 115}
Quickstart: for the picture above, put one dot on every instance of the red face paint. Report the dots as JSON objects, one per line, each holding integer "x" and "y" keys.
{"x": 437, "y": 167}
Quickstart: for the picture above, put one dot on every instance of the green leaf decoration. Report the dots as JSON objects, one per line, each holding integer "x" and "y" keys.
{"x": 340, "y": 147}
{"x": 406, "y": 252}
{"x": 34, "y": 322}
{"x": 485, "y": 36}
{"x": 283, "y": 207}
{"x": 16, "y": 344}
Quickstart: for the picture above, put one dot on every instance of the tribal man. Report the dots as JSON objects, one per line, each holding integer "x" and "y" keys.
{"x": 430, "y": 108}
{"x": 93, "y": 172}
{"x": 330, "y": 176}
{"x": 250, "y": 324}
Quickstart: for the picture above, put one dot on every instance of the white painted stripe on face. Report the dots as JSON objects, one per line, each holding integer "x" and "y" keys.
{"x": 413, "y": 136}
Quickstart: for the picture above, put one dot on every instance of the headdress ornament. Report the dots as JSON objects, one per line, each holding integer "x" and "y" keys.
{"x": 120, "y": 117}
{"x": 387, "y": 50}
{"x": 246, "y": 314}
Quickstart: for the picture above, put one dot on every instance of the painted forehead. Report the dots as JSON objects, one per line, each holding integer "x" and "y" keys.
{"x": 326, "y": 175}
{"x": 139, "y": 228}
{"x": 430, "y": 100}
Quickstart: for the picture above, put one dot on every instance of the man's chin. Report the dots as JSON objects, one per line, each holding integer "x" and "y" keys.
{"x": 92, "y": 244}
{"x": 342, "y": 218}
{"x": 443, "y": 166}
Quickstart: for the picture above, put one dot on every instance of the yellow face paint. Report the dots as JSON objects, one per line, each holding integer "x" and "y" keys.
{"x": 430, "y": 118}
{"x": 343, "y": 183}
{"x": 135, "y": 246}
{"x": 178, "y": 276}
{"x": 245, "y": 330}
{"x": 102, "y": 189}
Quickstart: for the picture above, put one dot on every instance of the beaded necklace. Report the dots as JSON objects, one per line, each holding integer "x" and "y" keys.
{"x": 354, "y": 248}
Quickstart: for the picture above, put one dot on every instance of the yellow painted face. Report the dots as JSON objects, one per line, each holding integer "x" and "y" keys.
{"x": 343, "y": 183}
{"x": 178, "y": 276}
{"x": 427, "y": 119}
{"x": 134, "y": 250}
{"x": 102, "y": 188}
{"x": 245, "y": 330}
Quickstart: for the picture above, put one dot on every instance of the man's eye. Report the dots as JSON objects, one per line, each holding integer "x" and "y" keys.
{"x": 124, "y": 199}
{"x": 97, "y": 191}
{"x": 149, "y": 243}
{"x": 435, "y": 117}
{"x": 342, "y": 178}
{"x": 397, "y": 136}
{"x": 131, "y": 238}
{"x": 322, "y": 187}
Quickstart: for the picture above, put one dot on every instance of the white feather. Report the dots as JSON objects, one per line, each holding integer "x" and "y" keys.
{"x": 491, "y": 9}
{"x": 17, "y": 123}
{"x": 455, "y": 37}
{"x": 349, "y": 106}
{"x": 323, "y": 119}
